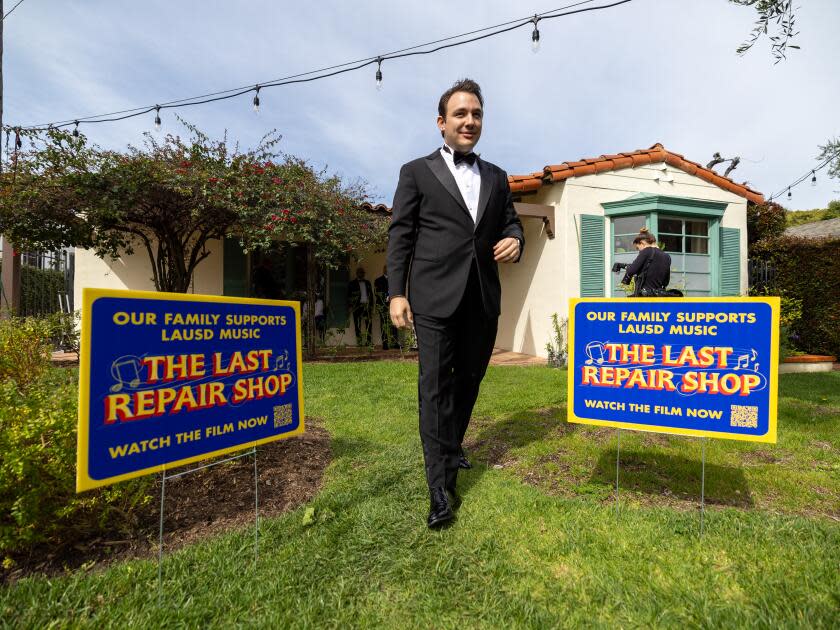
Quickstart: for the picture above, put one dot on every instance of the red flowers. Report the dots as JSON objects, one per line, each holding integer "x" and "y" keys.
{"x": 213, "y": 180}
{"x": 277, "y": 180}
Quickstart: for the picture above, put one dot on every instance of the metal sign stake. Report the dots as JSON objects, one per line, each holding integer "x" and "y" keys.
{"x": 164, "y": 477}
{"x": 617, "y": 454}
{"x": 160, "y": 535}
{"x": 703, "y": 486}
{"x": 256, "y": 509}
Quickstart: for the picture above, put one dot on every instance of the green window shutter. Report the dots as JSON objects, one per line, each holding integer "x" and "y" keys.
{"x": 591, "y": 255}
{"x": 235, "y": 272}
{"x": 730, "y": 261}
{"x": 337, "y": 315}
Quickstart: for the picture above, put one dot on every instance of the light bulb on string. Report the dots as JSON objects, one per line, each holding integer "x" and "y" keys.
{"x": 157, "y": 118}
{"x": 76, "y": 130}
{"x": 813, "y": 178}
{"x": 379, "y": 73}
{"x": 535, "y": 36}
{"x": 790, "y": 194}
{"x": 257, "y": 100}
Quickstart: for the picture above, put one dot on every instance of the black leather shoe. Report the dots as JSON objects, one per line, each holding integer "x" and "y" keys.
{"x": 440, "y": 511}
{"x": 463, "y": 462}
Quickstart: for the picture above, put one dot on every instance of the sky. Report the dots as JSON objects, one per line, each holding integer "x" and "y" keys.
{"x": 602, "y": 82}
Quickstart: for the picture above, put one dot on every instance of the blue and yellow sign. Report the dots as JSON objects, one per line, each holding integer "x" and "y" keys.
{"x": 166, "y": 379}
{"x": 693, "y": 366}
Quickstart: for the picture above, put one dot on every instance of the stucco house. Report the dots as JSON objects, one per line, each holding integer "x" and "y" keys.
{"x": 579, "y": 217}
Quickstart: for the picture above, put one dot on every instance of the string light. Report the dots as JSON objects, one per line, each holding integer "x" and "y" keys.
{"x": 351, "y": 66}
{"x": 76, "y": 130}
{"x": 257, "y": 100}
{"x": 157, "y": 118}
{"x": 535, "y": 36}
{"x": 812, "y": 173}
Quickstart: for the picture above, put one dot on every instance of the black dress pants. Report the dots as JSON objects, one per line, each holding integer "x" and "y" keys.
{"x": 363, "y": 324}
{"x": 453, "y": 355}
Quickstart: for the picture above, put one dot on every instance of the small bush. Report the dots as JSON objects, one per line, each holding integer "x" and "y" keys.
{"x": 38, "y": 502}
{"x": 558, "y": 348}
{"x": 25, "y": 348}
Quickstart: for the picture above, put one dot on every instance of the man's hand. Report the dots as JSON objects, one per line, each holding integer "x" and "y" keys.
{"x": 506, "y": 250}
{"x": 401, "y": 315}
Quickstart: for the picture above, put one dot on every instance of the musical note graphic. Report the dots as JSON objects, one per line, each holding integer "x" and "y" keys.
{"x": 595, "y": 352}
{"x": 125, "y": 370}
{"x": 743, "y": 362}
{"x": 282, "y": 361}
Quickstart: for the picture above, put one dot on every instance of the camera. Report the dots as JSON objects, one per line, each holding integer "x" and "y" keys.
{"x": 619, "y": 266}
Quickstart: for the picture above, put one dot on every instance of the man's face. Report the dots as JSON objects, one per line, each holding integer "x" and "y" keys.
{"x": 360, "y": 274}
{"x": 462, "y": 125}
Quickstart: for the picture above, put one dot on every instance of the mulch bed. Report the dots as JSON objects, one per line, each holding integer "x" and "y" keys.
{"x": 198, "y": 506}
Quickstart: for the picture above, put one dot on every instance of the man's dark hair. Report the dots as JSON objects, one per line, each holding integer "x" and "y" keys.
{"x": 462, "y": 85}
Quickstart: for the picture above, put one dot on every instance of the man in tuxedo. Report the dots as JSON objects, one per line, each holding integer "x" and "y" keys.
{"x": 380, "y": 289}
{"x": 453, "y": 221}
{"x": 360, "y": 301}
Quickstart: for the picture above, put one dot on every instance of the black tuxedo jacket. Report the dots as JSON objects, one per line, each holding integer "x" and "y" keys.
{"x": 432, "y": 240}
{"x": 354, "y": 294}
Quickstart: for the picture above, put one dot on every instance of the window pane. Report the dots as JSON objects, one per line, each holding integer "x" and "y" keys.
{"x": 671, "y": 243}
{"x": 696, "y": 245}
{"x": 670, "y": 224}
{"x": 623, "y": 244}
{"x": 697, "y": 281}
{"x": 697, "y": 227}
{"x": 629, "y": 225}
{"x": 697, "y": 264}
{"x": 677, "y": 262}
{"x": 625, "y": 258}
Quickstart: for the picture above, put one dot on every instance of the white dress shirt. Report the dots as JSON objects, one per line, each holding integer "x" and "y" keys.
{"x": 468, "y": 179}
{"x": 363, "y": 296}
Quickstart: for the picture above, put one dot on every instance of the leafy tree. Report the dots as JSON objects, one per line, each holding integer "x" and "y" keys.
{"x": 801, "y": 217}
{"x": 171, "y": 196}
{"x": 766, "y": 220}
{"x": 778, "y": 12}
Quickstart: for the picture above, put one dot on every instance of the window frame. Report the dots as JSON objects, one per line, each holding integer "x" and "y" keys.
{"x": 652, "y": 207}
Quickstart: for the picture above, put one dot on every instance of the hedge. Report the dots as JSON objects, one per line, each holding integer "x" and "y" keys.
{"x": 39, "y": 289}
{"x": 808, "y": 270}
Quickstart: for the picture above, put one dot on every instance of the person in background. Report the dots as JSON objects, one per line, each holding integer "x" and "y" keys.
{"x": 651, "y": 268}
{"x": 360, "y": 302}
{"x": 320, "y": 318}
{"x": 380, "y": 288}
{"x": 265, "y": 286}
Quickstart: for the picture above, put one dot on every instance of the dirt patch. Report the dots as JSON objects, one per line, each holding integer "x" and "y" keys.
{"x": 198, "y": 506}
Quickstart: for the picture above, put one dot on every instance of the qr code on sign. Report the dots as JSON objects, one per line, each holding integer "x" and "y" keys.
{"x": 283, "y": 416}
{"x": 743, "y": 416}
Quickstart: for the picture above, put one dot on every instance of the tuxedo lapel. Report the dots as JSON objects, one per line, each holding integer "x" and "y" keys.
{"x": 484, "y": 191}
{"x": 447, "y": 180}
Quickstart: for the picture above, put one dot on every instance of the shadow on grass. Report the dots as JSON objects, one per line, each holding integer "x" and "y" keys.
{"x": 674, "y": 477}
{"x": 488, "y": 441}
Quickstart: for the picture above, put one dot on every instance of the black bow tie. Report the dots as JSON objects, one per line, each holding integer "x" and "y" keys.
{"x": 459, "y": 157}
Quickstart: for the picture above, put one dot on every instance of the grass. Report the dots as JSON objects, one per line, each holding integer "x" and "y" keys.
{"x": 549, "y": 552}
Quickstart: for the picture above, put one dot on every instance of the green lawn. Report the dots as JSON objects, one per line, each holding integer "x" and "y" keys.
{"x": 537, "y": 542}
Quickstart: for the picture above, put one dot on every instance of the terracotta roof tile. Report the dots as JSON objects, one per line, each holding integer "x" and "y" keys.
{"x": 656, "y": 153}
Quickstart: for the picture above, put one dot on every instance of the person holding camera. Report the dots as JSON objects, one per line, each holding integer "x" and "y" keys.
{"x": 651, "y": 269}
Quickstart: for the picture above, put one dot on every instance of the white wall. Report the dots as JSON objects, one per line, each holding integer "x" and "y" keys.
{"x": 549, "y": 273}
{"x": 135, "y": 272}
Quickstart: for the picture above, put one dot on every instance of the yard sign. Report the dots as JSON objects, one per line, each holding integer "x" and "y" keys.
{"x": 166, "y": 379}
{"x": 693, "y": 366}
